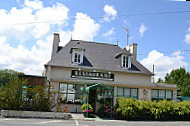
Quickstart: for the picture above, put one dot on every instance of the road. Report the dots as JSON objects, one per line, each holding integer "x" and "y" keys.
{"x": 54, "y": 122}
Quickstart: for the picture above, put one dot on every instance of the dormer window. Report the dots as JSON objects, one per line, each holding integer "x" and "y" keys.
{"x": 77, "y": 56}
{"x": 126, "y": 61}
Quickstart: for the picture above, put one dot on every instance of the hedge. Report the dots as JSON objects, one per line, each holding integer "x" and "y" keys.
{"x": 131, "y": 109}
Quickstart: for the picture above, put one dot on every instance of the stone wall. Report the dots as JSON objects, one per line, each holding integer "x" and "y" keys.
{"x": 33, "y": 114}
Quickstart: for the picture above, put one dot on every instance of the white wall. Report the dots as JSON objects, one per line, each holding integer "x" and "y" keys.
{"x": 132, "y": 78}
{"x": 61, "y": 73}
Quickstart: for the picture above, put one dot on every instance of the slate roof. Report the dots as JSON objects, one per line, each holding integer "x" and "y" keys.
{"x": 123, "y": 51}
{"x": 99, "y": 56}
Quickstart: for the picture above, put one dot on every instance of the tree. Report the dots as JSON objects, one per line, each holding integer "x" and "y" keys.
{"x": 185, "y": 88}
{"x": 178, "y": 76}
{"x": 8, "y": 75}
{"x": 11, "y": 94}
{"x": 43, "y": 99}
{"x": 181, "y": 78}
{"x": 160, "y": 80}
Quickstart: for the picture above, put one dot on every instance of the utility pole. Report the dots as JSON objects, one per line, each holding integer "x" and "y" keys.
{"x": 127, "y": 35}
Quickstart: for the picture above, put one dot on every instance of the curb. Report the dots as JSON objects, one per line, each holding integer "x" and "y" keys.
{"x": 90, "y": 119}
{"x": 85, "y": 119}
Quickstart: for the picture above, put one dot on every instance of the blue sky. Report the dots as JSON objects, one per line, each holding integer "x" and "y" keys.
{"x": 27, "y": 26}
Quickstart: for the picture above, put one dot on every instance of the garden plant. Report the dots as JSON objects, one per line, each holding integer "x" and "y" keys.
{"x": 132, "y": 109}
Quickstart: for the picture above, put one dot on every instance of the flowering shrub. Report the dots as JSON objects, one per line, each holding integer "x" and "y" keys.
{"x": 88, "y": 110}
{"x": 84, "y": 108}
{"x": 107, "y": 108}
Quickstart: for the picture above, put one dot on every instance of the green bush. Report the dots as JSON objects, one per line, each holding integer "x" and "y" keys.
{"x": 142, "y": 110}
{"x": 10, "y": 95}
{"x": 37, "y": 98}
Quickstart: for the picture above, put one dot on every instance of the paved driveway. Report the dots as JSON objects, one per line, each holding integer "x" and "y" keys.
{"x": 54, "y": 122}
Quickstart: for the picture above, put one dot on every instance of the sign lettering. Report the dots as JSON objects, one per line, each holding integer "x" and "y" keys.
{"x": 92, "y": 75}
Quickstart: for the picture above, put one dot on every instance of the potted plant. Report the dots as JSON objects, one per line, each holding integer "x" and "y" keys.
{"x": 85, "y": 110}
{"x": 66, "y": 109}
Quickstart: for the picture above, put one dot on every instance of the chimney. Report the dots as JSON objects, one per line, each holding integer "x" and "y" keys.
{"x": 133, "y": 50}
{"x": 56, "y": 41}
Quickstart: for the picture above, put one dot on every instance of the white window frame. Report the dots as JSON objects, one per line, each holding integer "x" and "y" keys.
{"x": 79, "y": 53}
{"x": 126, "y": 65}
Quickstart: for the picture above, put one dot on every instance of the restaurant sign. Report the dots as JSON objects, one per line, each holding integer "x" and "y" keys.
{"x": 92, "y": 75}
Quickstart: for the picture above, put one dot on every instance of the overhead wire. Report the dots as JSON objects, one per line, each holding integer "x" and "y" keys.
{"x": 117, "y": 16}
{"x": 169, "y": 52}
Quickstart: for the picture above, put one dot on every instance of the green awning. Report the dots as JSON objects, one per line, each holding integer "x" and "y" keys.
{"x": 97, "y": 86}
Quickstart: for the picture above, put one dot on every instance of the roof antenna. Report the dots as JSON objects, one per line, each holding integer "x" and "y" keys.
{"x": 127, "y": 35}
{"x": 117, "y": 42}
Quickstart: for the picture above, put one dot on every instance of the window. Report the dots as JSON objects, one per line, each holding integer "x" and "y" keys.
{"x": 154, "y": 94}
{"x": 104, "y": 95}
{"x": 127, "y": 92}
{"x": 134, "y": 93}
{"x": 77, "y": 56}
{"x": 71, "y": 93}
{"x": 108, "y": 93}
{"x": 169, "y": 94}
{"x": 161, "y": 94}
{"x": 126, "y": 61}
{"x": 119, "y": 91}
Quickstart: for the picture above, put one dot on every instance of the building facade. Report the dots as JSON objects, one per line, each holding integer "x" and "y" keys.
{"x": 99, "y": 73}
{"x": 32, "y": 81}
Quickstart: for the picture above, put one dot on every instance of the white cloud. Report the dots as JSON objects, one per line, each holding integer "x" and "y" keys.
{"x": 35, "y": 4}
{"x": 31, "y": 60}
{"x": 111, "y": 13}
{"x": 108, "y": 33}
{"x": 187, "y": 38}
{"x": 163, "y": 64}
{"x": 142, "y": 29}
{"x": 19, "y": 22}
{"x": 85, "y": 28}
{"x": 65, "y": 37}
